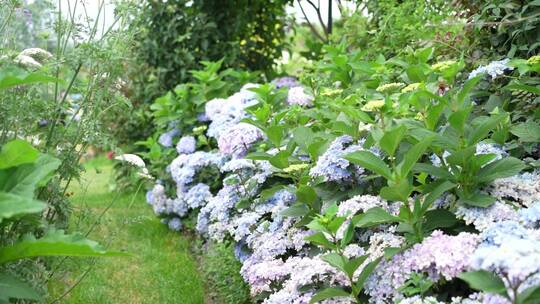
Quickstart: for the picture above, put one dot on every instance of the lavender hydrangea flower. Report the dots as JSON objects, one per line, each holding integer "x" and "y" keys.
{"x": 297, "y": 96}
{"x": 493, "y": 69}
{"x": 287, "y": 82}
{"x": 186, "y": 145}
{"x": 185, "y": 166}
{"x": 331, "y": 166}
{"x": 175, "y": 224}
{"x": 166, "y": 139}
{"x": 238, "y": 140}
{"x": 439, "y": 255}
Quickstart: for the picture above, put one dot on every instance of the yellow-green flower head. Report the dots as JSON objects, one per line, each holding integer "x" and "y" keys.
{"x": 373, "y": 105}
{"x": 199, "y": 129}
{"x": 419, "y": 116}
{"x": 390, "y": 87}
{"x": 534, "y": 60}
{"x": 331, "y": 92}
{"x": 443, "y": 65}
{"x": 411, "y": 87}
{"x": 295, "y": 168}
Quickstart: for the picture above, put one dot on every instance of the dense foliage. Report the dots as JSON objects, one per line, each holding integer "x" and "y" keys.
{"x": 391, "y": 180}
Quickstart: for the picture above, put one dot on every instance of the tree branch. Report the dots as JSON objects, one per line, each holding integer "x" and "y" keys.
{"x": 313, "y": 29}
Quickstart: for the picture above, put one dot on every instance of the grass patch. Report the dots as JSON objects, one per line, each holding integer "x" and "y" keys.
{"x": 222, "y": 273}
{"x": 161, "y": 269}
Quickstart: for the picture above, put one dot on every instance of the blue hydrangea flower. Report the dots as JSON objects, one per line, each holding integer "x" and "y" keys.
{"x": 166, "y": 139}
{"x": 331, "y": 166}
{"x": 493, "y": 69}
{"x": 175, "y": 224}
{"x": 186, "y": 145}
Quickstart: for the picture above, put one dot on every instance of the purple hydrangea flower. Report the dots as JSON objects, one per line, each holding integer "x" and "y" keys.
{"x": 238, "y": 140}
{"x": 297, "y": 96}
{"x": 287, "y": 82}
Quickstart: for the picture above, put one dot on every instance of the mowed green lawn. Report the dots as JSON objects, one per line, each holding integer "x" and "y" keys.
{"x": 160, "y": 268}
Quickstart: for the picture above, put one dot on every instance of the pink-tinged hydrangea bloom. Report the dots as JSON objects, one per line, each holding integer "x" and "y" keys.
{"x": 297, "y": 96}
{"x": 238, "y": 139}
{"x": 482, "y": 218}
{"x": 439, "y": 255}
{"x": 523, "y": 188}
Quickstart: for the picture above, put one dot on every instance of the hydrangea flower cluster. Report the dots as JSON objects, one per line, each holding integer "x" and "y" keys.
{"x": 493, "y": 69}
{"x": 441, "y": 256}
{"x": 332, "y": 167}
{"x": 510, "y": 249}
{"x": 298, "y": 96}
{"x": 286, "y": 82}
{"x": 281, "y": 266}
{"x": 238, "y": 139}
{"x": 166, "y": 139}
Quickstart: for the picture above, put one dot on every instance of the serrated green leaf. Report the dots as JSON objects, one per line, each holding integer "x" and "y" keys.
{"x": 23, "y": 180}
{"x": 527, "y": 132}
{"x": 412, "y": 156}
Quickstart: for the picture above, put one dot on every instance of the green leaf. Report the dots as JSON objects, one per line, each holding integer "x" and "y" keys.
{"x": 54, "y": 243}
{"x": 13, "y": 288}
{"x": 481, "y": 131}
{"x": 439, "y": 190}
{"x": 432, "y": 170}
{"x": 373, "y": 217}
{"x": 530, "y": 295}
{"x": 306, "y": 194}
{"x": 366, "y": 272}
{"x": 280, "y": 160}
{"x": 439, "y": 218}
{"x": 505, "y": 167}
{"x": 17, "y": 152}
{"x": 458, "y": 119}
{"x": 11, "y": 80}
{"x": 12, "y": 205}
{"x": 303, "y": 136}
{"x": 484, "y": 281}
{"x": 319, "y": 239}
{"x": 335, "y": 260}
{"x": 527, "y": 132}
{"x": 397, "y": 191}
{"x": 24, "y": 179}
{"x": 412, "y": 156}
{"x": 467, "y": 87}
{"x": 477, "y": 200}
{"x": 275, "y": 134}
{"x": 371, "y": 162}
{"x": 353, "y": 264}
{"x": 391, "y": 139}
{"x": 328, "y": 293}
{"x": 296, "y": 210}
